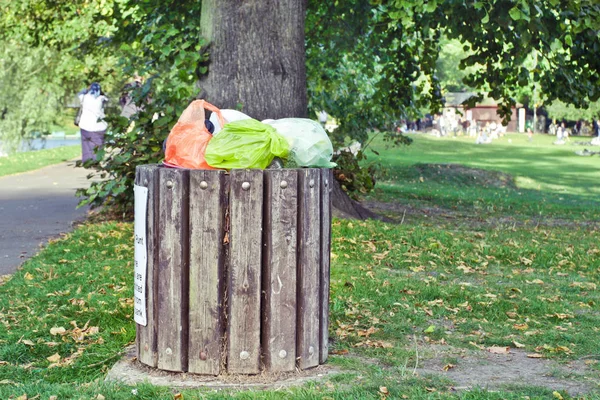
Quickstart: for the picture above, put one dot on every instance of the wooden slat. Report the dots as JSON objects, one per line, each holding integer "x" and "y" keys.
{"x": 208, "y": 201}
{"x": 309, "y": 259}
{"x": 279, "y": 270}
{"x": 326, "y": 180}
{"x": 244, "y": 272}
{"x": 147, "y": 176}
{"x": 173, "y": 270}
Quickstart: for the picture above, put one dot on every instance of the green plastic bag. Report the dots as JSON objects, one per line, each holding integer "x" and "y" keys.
{"x": 246, "y": 143}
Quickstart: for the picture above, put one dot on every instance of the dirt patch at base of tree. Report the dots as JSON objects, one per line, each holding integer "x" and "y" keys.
{"x": 464, "y": 175}
{"x": 516, "y": 368}
{"x": 403, "y": 213}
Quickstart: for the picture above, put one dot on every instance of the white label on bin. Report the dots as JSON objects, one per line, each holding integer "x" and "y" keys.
{"x": 140, "y": 255}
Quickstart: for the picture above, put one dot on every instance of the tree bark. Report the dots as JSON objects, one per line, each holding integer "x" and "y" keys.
{"x": 258, "y": 63}
{"x": 257, "y": 56}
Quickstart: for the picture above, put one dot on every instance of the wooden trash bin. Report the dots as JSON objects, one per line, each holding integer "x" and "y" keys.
{"x": 237, "y": 275}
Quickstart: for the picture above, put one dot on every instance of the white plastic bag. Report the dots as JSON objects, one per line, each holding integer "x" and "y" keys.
{"x": 229, "y": 116}
{"x": 309, "y": 144}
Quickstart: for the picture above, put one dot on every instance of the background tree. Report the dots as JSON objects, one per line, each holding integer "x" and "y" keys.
{"x": 368, "y": 62}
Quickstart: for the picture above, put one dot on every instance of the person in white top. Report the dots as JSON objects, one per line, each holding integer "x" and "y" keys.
{"x": 92, "y": 124}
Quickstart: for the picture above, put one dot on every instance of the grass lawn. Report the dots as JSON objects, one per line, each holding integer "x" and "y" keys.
{"x": 537, "y": 165}
{"x": 474, "y": 268}
{"x": 32, "y": 160}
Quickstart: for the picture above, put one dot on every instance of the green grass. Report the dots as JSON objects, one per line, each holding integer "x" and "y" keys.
{"x": 496, "y": 264}
{"x": 538, "y": 165}
{"x": 32, "y": 160}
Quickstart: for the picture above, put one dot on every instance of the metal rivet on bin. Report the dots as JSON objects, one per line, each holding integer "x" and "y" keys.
{"x": 283, "y": 184}
{"x": 326, "y": 182}
{"x": 169, "y": 351}
{"x": 203, "y": 185}
{"x": 311, "y": 183}
{"x": 169, "y": 184}
{"x": 145, "y": 181}
{"x": 282, "y": 354}
{"x": 311, "y": 350}
{"x": 203, "y": 355}
{"x": 244, "y": 355}
{"x": 246, "y": 185}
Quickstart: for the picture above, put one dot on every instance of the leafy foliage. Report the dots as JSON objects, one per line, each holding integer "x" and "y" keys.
{"x": 164, "y": 46}
{"x": 50, "y": 51}
{"x": 559, "y": 110}
{"x": 370, "y": 63}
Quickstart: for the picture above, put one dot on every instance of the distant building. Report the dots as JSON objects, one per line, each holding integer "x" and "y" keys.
{"x": 482, "y": 113}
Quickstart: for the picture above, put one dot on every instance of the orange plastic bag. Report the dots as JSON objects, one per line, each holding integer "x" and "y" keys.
{"x": 187, "y": 141}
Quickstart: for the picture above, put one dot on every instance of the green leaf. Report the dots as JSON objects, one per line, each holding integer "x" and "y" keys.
{"x": 515, "y": 13}
{"x": 568, "y": 40}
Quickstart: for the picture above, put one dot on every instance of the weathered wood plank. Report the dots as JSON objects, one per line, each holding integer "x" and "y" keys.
{"x": 147, "y": 176}
{"x": 173, "y": 271}
{"x": 326, "y": 180}
{"x": 309, "y": 259}
{"x": 244, "y": 272}
{"x": 208, "y": 201}
{"x": 279, "y": 270}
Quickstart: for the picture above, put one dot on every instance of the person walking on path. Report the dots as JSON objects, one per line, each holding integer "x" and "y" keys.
{"x": 92, "y": 124}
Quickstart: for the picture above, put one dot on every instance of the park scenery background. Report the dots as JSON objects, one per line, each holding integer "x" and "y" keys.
{"x": 490, "y": 258}
{"x": 475, "y": 278}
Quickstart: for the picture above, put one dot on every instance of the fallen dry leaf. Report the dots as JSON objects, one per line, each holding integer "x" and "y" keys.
{"x": 27, "y": 342}
{"x": 535, "y": 281}
{"x": 499, "y": 349}
{"x": 535, "y": 355}
{"x": 57, "y": 330}
{"x": 340, "y": 352}
{"x": 448, "y": 367}
{"x": 54, "y": 358}
{"x": 518, "y": 345}
{"x": 557, "y": 395}
{"x": 384, "y": 390}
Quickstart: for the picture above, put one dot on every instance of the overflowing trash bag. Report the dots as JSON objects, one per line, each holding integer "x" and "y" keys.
{"x": 187, "y": 141}
{"x": 246, "y": 143}
{"x": 308, "y": 142}
{"x": 229, "y": 116}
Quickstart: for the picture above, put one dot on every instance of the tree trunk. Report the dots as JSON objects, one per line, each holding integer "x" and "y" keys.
{"x": 257, "y": 62}
{"x": 257, "y": 56}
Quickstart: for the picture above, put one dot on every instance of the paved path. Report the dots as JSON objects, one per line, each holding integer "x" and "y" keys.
{"x": 36, "y": 206}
